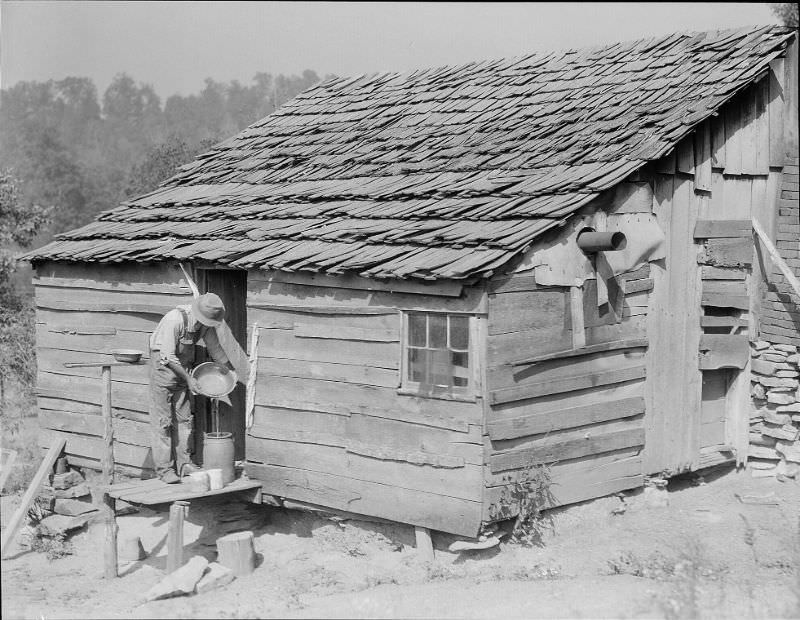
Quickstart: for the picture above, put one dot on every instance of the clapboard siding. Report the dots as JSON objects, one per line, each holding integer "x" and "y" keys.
{"x": 76, "y": 320}
{"x": 261, "y": 291}
{"x": 566, "y": 444}
{"x": 90, "y": 446}
{"x": 524, "y": 320}
{"x": 82, "y": 313}
{"x": 431, "y": 510}
{"x": 572, "y": 481}
{"x": 329, "y": 360}
{"x": 462, "y": 482}
{"x": 283, "y": 344}
{"x": 52, "y": 361}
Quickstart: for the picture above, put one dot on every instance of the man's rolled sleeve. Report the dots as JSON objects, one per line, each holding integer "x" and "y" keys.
{"x": 168, "y": 336}
{"x": 213, "y": 346}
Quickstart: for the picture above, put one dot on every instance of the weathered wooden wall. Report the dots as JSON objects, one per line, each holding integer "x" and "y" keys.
{"x": 330, "y": 427}
{"x": 706, "y": 300}
{"x": 565, "y": 386}
{"x": 82, "y": 312}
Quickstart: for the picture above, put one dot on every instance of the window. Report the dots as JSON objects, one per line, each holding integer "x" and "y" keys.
{"x": 436, "y": 356}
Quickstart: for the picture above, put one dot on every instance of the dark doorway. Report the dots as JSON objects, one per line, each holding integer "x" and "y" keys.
{"x": 231, "y": 286}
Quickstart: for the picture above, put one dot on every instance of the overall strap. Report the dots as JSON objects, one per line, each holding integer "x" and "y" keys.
{"x": 185, "y": 316}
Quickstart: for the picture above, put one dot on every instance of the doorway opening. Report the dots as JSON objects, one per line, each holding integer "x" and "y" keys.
{"x": 231, "y": 286}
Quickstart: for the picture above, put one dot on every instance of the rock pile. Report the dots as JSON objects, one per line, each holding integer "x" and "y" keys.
{"x": 775, "y": 417}
{"x": 66, "y": 503}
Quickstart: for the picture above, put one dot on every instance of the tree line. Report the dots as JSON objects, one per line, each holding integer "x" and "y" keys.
{"x": 80, "y": 153}
{"x": 67, "y": 154}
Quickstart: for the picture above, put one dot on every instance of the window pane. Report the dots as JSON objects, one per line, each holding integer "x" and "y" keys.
{"x": 416, "y": 330}
{"x": 459, "y": 332}
{"x": 441, "y": 369}
{"x": 460, "y": 368}
{"x": 417, "y": 365}
{"x": 437, "y": 324}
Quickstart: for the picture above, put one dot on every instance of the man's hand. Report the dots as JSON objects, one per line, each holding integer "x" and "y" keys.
{"x": 194, "y": 387}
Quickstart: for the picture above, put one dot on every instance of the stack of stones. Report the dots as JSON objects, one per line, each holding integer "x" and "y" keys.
{"x": 67, "y": 501}
{"x": 775, "y": 418}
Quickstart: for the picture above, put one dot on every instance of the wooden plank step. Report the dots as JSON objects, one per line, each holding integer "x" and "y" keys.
{"x": 154, "y": 491}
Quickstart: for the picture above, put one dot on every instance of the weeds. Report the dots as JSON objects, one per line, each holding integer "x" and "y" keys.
{"x": 655, "y": 566}
{"x": 688, "y": 574}
{"x": 525, "y": 497}
{"x": 54, "y": 547}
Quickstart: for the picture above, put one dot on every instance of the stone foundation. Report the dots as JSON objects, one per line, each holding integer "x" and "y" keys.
{"x": 775, "y": 417}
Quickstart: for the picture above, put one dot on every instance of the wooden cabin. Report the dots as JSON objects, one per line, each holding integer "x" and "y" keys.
{"x": 405, "y": 248}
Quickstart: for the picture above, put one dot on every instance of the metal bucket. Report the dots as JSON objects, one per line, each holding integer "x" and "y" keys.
{"x": 218, "y": 454}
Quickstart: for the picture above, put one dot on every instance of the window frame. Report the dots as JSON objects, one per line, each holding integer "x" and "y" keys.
{"x": 408, "y": 387}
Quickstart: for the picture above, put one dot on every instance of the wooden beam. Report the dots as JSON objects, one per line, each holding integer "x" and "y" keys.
{"x": 612, "y": 345}
{"x": 107, "y": 463}
{"x": 563, "y": 418}
{"x": 567, "y": 384}
{"x": 570, "y": 449}
{"x": 177, "y": 514}
{"x": 424, "y": 543}
{"x": 19, "y": 516}
{"x": 775, "y": 255}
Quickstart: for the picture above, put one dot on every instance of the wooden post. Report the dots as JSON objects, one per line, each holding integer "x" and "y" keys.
{"x": 236, "y": 551}
{"x": 47, "y": 465}
{"x": 107, "y": 463}
{"x": 424, "y": 542}
{"x": 177, "y": 513}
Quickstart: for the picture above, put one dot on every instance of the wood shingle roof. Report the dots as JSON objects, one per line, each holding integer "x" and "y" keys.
{"x": 441, "y": 173}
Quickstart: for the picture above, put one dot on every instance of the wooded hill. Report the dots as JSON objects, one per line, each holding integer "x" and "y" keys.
{"x": 82, "y": 153}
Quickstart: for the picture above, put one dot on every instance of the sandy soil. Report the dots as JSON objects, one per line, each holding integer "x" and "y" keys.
{"x": 705, "y": 554}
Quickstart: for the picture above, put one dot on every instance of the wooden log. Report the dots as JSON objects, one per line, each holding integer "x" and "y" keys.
{"x": 236, "y": 552}
{"x": 424, "y": 543}
{"x": 177, "y": 513}
{"x": 53, "y": 453}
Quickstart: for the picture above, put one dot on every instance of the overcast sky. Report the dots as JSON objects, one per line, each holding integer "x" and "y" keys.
{"x": 175, "y": 45}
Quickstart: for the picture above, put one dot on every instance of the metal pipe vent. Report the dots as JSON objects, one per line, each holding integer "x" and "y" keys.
{"x": 591, "y": 241}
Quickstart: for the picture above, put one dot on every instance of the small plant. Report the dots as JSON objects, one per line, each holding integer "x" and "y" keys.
{"x": 655, "y": 566}
{"x": 525, "y": 497}
{"x": 55, "y": 546}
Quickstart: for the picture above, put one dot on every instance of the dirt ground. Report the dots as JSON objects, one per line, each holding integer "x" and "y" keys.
{"x": 705, "y": 554}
